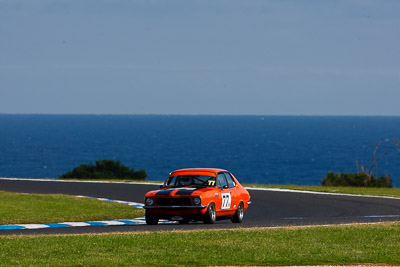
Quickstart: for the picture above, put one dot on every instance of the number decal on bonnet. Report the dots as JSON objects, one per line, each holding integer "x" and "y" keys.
{"x": 226, "y": 200}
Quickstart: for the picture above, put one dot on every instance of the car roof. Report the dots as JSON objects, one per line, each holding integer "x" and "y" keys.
{"x": 212, "y": 170}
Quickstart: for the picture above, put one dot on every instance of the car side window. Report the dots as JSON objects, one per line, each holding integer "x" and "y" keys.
{"x": 231, "y": 183}
{"x": 222, "y": 180}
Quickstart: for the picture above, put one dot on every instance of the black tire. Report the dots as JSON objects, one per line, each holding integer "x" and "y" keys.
{"x": 151, "y": 219}
{"x": 211, "y": 215}
{"x": 239, "y": 214}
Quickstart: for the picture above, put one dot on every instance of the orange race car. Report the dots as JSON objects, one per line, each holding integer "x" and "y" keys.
{"x": 199, "y": 195}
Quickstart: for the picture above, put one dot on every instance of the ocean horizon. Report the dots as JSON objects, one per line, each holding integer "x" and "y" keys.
{"x": 264, "y": 149}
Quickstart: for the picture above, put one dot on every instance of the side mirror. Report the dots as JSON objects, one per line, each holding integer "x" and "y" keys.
{"x": 225, "y": 187}
{"x": 161, "y": 186}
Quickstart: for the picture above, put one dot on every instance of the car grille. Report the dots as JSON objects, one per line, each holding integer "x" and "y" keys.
{"x": 181, "y": 201}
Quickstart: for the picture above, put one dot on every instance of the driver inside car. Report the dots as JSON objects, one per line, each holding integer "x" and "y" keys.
{"x": 186, "y": 180}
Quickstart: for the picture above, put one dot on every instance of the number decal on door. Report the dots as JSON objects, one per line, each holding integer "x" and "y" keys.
{"x": 226, "y": 200}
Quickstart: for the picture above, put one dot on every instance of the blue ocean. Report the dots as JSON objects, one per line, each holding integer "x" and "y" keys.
{"x": 256, "y": 149}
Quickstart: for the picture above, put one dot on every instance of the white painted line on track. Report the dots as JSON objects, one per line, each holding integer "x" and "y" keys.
{"x": 33, "y": 226}
{"x": 381, "y": 216}
{"x": 76, "y": 224}
{"x": 112, "y": 222}
{"x": 367, "y": 216}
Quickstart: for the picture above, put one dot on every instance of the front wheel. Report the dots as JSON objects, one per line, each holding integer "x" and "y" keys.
{"x": 239, "y": 214}
{"x": 151, "y": 219}
{"x": 211, "y": 215}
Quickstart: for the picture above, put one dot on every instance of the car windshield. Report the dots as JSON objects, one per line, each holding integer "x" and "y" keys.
{"x": 190, "y": 180}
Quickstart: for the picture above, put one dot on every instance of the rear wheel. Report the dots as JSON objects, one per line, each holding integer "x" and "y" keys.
{"x": 211, "y": 215}
{"x": 151, "y": 219}
{"x": 239, "y": 214}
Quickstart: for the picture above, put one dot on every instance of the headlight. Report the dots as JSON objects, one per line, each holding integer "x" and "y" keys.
{"x": 196, "y": 201}
{"x": 149, "y": 201}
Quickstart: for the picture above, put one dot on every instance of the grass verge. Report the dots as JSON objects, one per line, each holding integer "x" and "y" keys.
{"x": 374, "y": 244}
{"x": 372, "y": 191}
{"x": 18, "y": 208}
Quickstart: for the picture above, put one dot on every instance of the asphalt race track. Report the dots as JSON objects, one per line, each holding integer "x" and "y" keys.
{"x": 268, "y": 208}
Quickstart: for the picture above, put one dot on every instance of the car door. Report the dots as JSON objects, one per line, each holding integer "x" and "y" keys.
{"x": 224, "y": 204}
{"x": 234, "y": 193}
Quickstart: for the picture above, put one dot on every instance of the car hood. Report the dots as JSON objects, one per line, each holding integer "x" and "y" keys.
{"x": 185, "y": 191}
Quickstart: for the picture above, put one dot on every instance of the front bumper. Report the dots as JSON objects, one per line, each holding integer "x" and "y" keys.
{"x": 168, "y": 212}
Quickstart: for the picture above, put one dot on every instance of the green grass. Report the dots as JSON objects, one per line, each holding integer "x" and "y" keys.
{"x": 375, "y": 244}
{"x": 373, "y": 191}
{"x": 18, "y": 208}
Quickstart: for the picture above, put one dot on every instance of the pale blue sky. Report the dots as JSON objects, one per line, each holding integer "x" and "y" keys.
{"x": 200, "y": 57}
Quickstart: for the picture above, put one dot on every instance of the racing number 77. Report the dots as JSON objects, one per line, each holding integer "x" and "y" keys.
{"x": 226, "y": 200}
